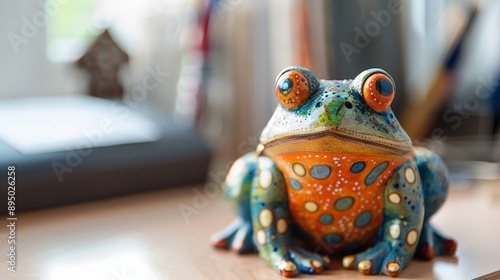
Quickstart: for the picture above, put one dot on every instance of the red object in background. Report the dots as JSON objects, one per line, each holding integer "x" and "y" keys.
{"x": 304, "y": 53}
{"x": 192, "y": 85}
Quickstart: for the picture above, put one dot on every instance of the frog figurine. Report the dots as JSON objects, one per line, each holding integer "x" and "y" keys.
{"x": 336, "y": 174}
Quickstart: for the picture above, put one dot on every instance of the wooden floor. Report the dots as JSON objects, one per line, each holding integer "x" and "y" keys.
{"x": 146, "y": 237}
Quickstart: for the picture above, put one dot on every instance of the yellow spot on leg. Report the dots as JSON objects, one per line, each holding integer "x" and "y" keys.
{"x": 281, "y": 226}
{"x": 265, "y": 179}
{"x": 410, "y": 175}
{"x": 261, "y": 237}
{"x": 394, "y": 198}
{"x": 412, "y": 237}
{"x": 265, "y": 217}
{"x": 394, "y": 231}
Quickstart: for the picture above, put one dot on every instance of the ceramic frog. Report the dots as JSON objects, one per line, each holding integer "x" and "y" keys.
{"x": 336, "y": 174}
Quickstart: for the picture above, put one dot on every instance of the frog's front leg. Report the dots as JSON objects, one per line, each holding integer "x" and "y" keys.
{"x": 401, "y": 227}
{"x": 272, "y": 224}
{"x": 435, "y": 183}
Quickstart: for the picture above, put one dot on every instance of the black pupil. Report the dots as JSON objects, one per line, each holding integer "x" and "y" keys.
{"x": 384, "y": 86}
{"x": 348, "y": 105}
{"x": 286, "y": 86}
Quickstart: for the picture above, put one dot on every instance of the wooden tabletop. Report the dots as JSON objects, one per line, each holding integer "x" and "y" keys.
{"x": 146, "y": 237}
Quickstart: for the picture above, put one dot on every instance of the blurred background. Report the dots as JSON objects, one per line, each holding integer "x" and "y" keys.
{"x": 115, "y": 97}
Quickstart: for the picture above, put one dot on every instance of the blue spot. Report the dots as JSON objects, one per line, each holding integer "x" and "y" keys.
{"x": 413, "y": 207}
{"x": 318, "y": 104}
{"x": 275, "y": 249}
{"x": 321, "y": 171}
{"x": 372, "y": 177}
{"x": 358, "y": 166}
{"x": 295, "y": 184}
{"x": 363, "y": 219}
{"x": 343, "y": 203}
{"x": 384, "y": 86}
{"x": 332, "y": 238}
{"x": 396, "y": 186}
{"x": 338, "y": 85}
{"x": 262, "y": 204}
{"x": 326, "y": 219}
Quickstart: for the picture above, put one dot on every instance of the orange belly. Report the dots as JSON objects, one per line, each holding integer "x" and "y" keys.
{"x": 337, "y": 196}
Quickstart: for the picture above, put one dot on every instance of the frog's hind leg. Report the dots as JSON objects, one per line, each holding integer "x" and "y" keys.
{"x": 238, "y": 236}
{"x": 435, "y": 183}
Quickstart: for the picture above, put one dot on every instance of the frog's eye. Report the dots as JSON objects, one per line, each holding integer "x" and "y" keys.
{"x": 378, "y": 91}
{"x": 292, "y": 89}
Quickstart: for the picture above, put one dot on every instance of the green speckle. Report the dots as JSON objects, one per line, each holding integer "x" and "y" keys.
{"x": 331, "y": 117}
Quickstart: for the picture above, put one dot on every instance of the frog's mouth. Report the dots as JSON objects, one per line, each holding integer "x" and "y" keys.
{"x": 337, "y": 133}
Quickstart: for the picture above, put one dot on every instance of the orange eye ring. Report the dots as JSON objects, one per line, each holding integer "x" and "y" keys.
{"x": 292, "y": 89}
{"x": 378, "y": 91}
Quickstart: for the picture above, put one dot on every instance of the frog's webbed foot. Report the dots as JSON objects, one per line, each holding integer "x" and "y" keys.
{"x": 294, "y": 261}
{"x": 432, "y": 243}
{"x": 308, "y": 262}
{"x": 380, "y": 259}
{"x": 237, "y": 236}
